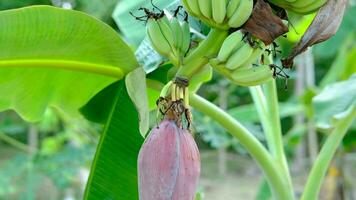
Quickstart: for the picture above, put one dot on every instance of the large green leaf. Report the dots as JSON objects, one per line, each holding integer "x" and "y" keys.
{"x": 55, "y": 57}
{"x": 333, "y": 101}
{"x": 114, "y": 170}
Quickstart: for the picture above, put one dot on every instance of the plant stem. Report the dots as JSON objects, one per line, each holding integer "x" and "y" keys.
{"x": 256, "y": 149}
{"x": 276, "y": 128}
{"x": 260, "y": 103}
{"x": 14, "y": 142}
{"x": 316, "y": 176}
{"x": 200, "y": 56}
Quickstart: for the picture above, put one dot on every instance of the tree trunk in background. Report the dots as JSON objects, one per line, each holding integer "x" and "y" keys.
{"x": 310, "y": 83}
{"x": 300, "y": 151}
{"x": 306, "y": 79}
{"x": 32, "y": 141}
{"x": 223, "y": 94}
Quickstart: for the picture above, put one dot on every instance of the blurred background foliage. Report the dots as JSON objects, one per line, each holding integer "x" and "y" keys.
{"x": 56, "y": 152}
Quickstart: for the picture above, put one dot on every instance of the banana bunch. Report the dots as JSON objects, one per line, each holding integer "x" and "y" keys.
{"x": 238, "y": 61}
{"x": 236, "y": 53}
{"x": 300, "y": 6}
{"x": 170, "y": 38}
{"x": 221, "y": 14}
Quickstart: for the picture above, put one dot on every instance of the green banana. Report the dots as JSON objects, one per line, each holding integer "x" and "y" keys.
{"x": 231, "y": 7}
{"x": 229, "y": 45}
{"x": 252, "y": 76}
{"x": 157, "y": 39}
{"x": 302, "y": 3}
{"x": 256, "y": 54}
{"x": 187, "y": 7}
{"x": 239, "y": 56}
{"x": 177, "y": 33}
{"x": 241, "y": 14}
{"x": 194, "y": 7}
{"x": 166, "y": 89}
{"x": 310, "y": 7}
{"x": 166, "y": 30}
{"x": 186, "y": 38}
{"x": 219, "y": 10}
{"x": 205, "y": 8}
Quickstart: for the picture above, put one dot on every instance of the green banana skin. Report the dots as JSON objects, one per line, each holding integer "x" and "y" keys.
{"x": 239, "y": 57}
{"x": 186, "y": 38}
{"x": 241, "y": 14}
{"x": 205, "y": 8}
{"x": 252, "y": 76}
{"x": 158, "y": 41}
{"x": 310, "y": 8}
{"x": 194, "y": 7}
{"x": 177, "y": 33}
{"x": 229, "y": 45}
{"x": 231, "y": 7}
{"x": 219, "y": 10}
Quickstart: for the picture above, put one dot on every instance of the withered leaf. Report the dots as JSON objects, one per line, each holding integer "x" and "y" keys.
{"x": 324, "y": 25}
{"x": 264, "y": 24}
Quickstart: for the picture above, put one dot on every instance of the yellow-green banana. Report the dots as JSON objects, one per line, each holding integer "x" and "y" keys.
{"x": 177, "y": 32}
{"x": 205, "y": 8}
{"x": 231, "y": 7}
{"x": 239, "y": 56}
{"x": 166, "y": 30}
{"x": 252, "y": 76}
{"x": 219, "y": 10}
{"x": 157, "y": 39}
{"x": 228, "y": 46}
{"x": 241, "y": 14}
{"x": 256, "y": 54}
{"x": 186, "y": 37}
{"x": 194, "y": 7}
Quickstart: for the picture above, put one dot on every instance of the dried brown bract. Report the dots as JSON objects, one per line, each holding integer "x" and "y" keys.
{"x": 264, "y": 24}
{"x": 325, "y": 25}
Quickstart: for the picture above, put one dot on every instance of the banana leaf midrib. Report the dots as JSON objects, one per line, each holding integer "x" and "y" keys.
{"x": 80, "y": 66}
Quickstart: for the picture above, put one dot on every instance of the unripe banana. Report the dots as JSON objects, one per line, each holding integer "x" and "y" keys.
{"x": 194, "y": 7}
{"x": 256, "y": 54}
{"x": 205, "y": 8}
{"x": 166, "y": 89}
{"x": 158, "y": 41}
{"x": 178, "y": 33}
{"x": 219, "y": 10}
{"x": 229, "y": 45}
{"x": 239, "y": 57}
{"x": 241, "y": 14}
{"x": 302, "y": 3}
{"x": 310, "y": 7}
{"x": 186, "y": 38}
{"x": 252, "y": 76}
{"x": 231, "y": 7}
{"x": 166, "y": 30}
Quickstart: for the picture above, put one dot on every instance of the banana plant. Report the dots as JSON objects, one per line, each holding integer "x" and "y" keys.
{"x": 68, "y": 60}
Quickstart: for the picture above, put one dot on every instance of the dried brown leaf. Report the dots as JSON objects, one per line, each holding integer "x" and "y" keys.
{"x": 264, "y": 24}
{"x": 325, "y": 25}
